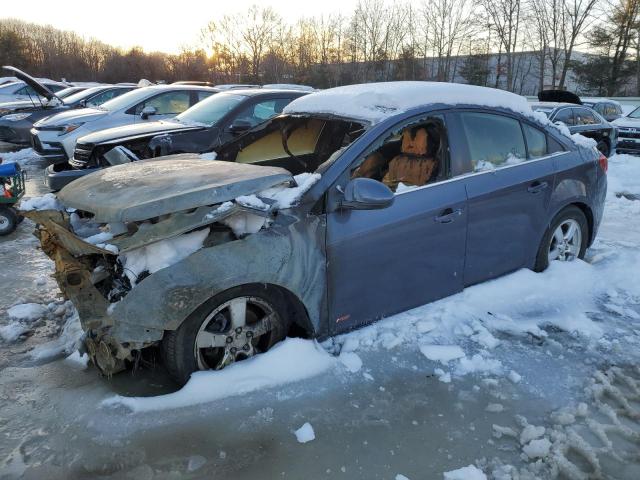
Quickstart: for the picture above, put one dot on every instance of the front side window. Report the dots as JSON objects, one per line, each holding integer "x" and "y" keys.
{"x": 411, "y": 156}
{"x": 565, "y": 116}
{"x": 169, "y": 103}
{"x": 494, "y": 140}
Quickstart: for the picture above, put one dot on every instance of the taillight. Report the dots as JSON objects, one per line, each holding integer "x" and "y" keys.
{"x": 604, "y": 163}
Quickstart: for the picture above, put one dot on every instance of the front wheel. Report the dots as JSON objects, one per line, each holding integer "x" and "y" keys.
{"x": 8, "y": 220}
{"x": 234, "y": 325}
{"x": 565, "y": 240}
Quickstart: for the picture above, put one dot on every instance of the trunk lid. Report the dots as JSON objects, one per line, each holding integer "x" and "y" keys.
{"x": 150, "y": 188}
{"x": 33, "y": 83}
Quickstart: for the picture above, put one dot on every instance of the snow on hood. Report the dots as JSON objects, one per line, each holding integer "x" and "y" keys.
{"x": 374, "y": 102}
{"x": 150, "y": 188}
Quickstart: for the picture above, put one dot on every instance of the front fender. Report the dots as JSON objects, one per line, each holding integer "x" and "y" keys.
{"x": 290, "y": 256}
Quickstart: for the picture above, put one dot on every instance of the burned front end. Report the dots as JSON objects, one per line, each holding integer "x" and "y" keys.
{"x": 114, "y": 234}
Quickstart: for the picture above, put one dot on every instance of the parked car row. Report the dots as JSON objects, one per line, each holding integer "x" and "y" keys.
{"x": 317, "y": 216}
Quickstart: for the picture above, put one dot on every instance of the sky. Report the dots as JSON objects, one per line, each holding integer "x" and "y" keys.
{"x": 155, "y": 26}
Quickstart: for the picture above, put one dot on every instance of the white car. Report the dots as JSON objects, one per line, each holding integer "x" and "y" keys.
{"x": 17, "y": 91}
{"x": 55, "y": 137}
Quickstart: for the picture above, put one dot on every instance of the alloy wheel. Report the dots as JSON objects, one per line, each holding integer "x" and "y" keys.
{"x": 566, "y": 241}
{"x": 235, "y": 330}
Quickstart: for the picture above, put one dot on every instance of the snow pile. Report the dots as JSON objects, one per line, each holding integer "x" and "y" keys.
{"x": 12, "y": 331}
{"x": 47, "y": 201}
{"x": 27, "y": 312}
{"x": 292, "y": 360}
{"x": 244, "y": 223}
{"x": 351, "y": 361}
{"x": 442, "y": 353}
{"x": 305, "y": 433}
{"x": 23, "y": 157}
{"x": 469, "y": 472}
{"x": 68, "y": 342}
{"x": 162, "y": 254}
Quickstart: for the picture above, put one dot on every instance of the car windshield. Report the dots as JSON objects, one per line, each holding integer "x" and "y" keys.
{"x": 79, "y": 96}
{"x": 128, "y": 99}
{"x": 635, "y": 113}
{"x": 68, "y": 92}
{"x": 211, "y": 110}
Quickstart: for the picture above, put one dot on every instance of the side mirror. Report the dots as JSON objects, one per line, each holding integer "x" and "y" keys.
{"x": 239, "y": 126}
{"x": 147, "y": 112}
{"x": 366, "y": 194}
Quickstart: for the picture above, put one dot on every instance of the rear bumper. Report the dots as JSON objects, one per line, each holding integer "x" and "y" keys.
{"x": 59, "y": 175}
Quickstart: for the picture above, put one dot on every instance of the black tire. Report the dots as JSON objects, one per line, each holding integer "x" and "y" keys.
{"x": 8, "y": 220}
{"x": 178, "y": 345}
{"x": 569, "y": 213}
{"x": 604, "y": 147}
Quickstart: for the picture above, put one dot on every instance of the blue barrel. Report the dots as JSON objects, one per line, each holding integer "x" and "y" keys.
{"x": 9, "y": 169}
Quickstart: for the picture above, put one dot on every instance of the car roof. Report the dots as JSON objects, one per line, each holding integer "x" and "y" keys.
{"x": 375, "y": 102}
{"x": 256, "y": 92}
{"x": 173, "y": 86}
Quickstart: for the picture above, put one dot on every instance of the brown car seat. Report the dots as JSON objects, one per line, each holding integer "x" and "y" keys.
{"x": 413, "y": 166}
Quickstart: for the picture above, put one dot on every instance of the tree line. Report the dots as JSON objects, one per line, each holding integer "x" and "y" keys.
{"x": 518, "y": 45}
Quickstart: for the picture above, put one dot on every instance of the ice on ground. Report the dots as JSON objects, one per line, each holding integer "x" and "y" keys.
{"x": 162, "y": 254}
{"x": 305, "y": 433}
{"x": 195, "y": 462}
{"x": 27, "y": 312}
{"x": 470, "y": 472}
{"x": 292, "y": 360}
{"x": 351, "y": 360}
{"x": 442, "y": 353}
{"x": 78, "y": 360}
{"x": 531, "y": 432}
{"x": 48, "y": 201}
{"x": 13, "y": 331}
{"x": 401, "y": 477}
{"x": 478, "y": 364}
{"x": 514, "y": 376}
{"x": 537, "y": 448}
{"x": 444, "y": 377}
{"x": 66, "y": 343}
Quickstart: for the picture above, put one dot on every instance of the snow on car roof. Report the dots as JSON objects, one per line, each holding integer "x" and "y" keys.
{"x": 374, "y": 102}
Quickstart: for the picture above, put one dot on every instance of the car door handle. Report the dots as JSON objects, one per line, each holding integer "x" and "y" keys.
{"x": 448, "y": 215}
{"x": 537, "y": 187}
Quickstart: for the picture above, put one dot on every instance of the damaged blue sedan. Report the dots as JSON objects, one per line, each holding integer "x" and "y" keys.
{"x": 354, "y": 204}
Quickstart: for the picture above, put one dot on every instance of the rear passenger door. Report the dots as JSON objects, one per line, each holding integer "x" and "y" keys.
{"x": 508, "y": 192}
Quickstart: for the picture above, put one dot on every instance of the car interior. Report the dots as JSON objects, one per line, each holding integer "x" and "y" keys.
{"x": 411, "y": 157}
{"x": 297, "y": 144}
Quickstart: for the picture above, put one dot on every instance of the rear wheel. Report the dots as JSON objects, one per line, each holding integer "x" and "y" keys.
{"x": 8, "y": 220}
{"x": 232, "y": 326}
{"x": 565, "y": 240}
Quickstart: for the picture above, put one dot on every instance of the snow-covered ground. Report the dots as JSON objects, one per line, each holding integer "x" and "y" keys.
{"x": 528, "y": 376}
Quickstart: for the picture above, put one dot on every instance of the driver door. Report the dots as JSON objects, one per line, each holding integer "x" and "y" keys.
{"x": 381, "y": 262}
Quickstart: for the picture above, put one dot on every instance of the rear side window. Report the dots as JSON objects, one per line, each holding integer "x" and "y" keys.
{"x": 584, "y": 117}
{"x": 536, "y": 141}
{"x": 554, "y": 146}
{"x": 565, "y": 116}
{"x": 202, "y": 94}
{"x": 494, "y": 140}
{"x": 102, "y": 97}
